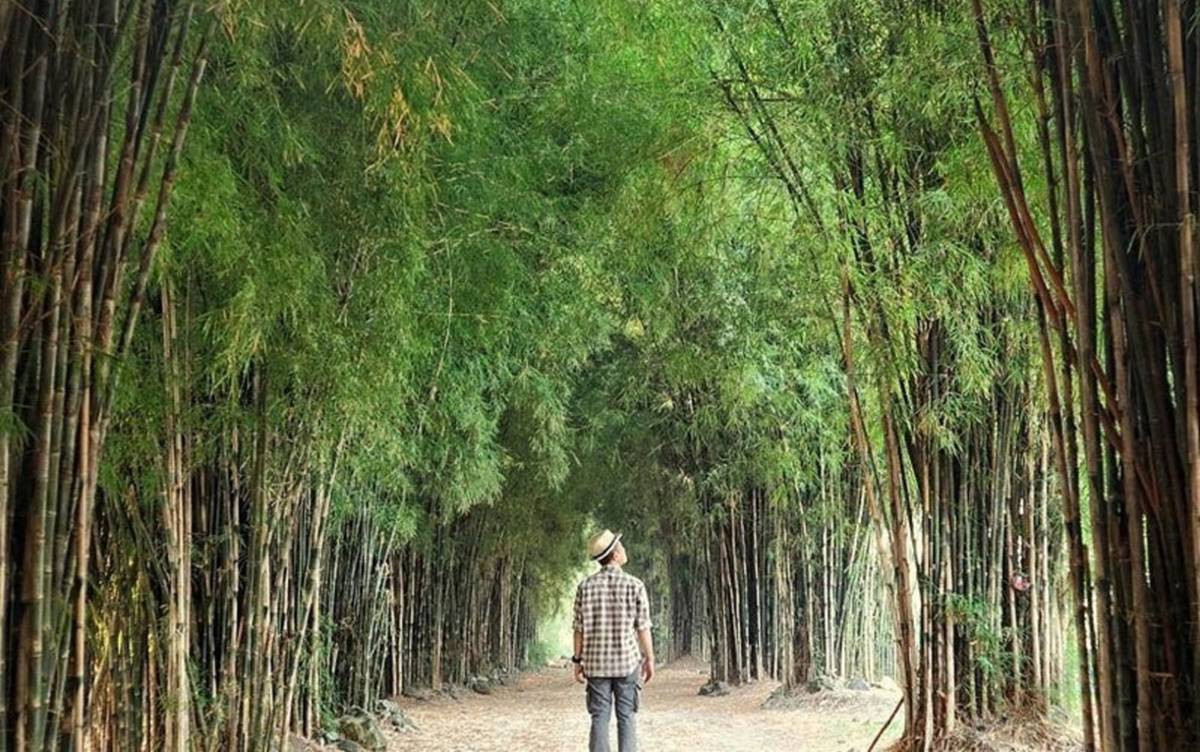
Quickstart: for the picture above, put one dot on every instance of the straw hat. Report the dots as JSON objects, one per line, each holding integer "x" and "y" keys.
{"x": 602, "y": 544}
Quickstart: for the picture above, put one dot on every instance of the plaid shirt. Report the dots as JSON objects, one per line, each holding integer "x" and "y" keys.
{"x": 610, "y": 608}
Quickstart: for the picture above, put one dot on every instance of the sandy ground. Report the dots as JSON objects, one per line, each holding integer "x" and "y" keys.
{"x": 545, "y": 712}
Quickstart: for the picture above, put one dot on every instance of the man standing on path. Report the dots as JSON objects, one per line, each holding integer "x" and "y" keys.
{"x": 613, "y": 649}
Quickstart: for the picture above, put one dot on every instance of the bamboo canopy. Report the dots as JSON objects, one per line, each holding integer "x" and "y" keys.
{"x": 330, "y": 331}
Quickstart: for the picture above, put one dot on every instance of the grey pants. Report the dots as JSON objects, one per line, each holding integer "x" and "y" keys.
{"x": 601, "y": 692}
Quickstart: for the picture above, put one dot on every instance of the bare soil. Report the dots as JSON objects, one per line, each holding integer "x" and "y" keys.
{"x": 545, "y": 712}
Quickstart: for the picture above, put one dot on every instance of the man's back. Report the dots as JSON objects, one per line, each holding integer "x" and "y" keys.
{"x": 610, "y": 608}
{"x": 612, "y": 637}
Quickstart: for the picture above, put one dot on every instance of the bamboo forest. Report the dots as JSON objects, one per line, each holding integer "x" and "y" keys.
{"x": 331, "y": 331}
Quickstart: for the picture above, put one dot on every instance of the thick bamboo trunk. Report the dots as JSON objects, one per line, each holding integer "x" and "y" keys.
{"x": 175, "y": 518}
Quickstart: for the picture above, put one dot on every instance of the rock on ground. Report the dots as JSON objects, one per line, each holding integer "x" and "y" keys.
{"x": 392, "y": 716}
{"x": 363, "y": 731}
{"x": 418, "y": 693}
{"x": 714, "y": 688}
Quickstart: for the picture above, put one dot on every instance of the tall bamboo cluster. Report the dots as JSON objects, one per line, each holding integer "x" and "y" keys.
{"x": 271, "y": 609}
{"x": 1111, "y": 253}
{"x": 683, "y": 603}
{"x": 260, "y": 605}
{"x": 441, "y": 610}
{"x": 987, "y": 536}
{"x": 96, "y": 100}
{"x": 209, "y": 616}
{"x": 971, "y": 543}
{"x": 833, "y": 572}
{"x": 789, "y": 597}
{"x": 966, "y": 529}
{"x": 768, "y": 581}
{"x": 969, "y": 536}
{"x": 737, "y": 588}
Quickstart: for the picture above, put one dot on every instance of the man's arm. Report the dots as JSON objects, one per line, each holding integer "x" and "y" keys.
{"x": 579, "y": 677}
{"x": 578, "y": 627}
{"x": 646, "y": 643}
{"x": 644, "y": 638}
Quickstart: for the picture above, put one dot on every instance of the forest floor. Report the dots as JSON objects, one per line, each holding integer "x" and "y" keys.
{"x": 545, "y": 712}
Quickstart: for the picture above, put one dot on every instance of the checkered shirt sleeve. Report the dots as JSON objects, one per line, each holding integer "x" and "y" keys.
{"x": 641, "y": 619}
{"x": 577, "y": 622}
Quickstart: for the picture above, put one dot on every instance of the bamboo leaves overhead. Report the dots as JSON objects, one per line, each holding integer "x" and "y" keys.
{"x": 329, "y": 330}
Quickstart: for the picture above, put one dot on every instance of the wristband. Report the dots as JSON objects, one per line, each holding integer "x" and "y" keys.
{"x": 576, "y": 659}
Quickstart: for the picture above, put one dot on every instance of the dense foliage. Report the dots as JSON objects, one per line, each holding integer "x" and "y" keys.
{"x": 331, "y": 330}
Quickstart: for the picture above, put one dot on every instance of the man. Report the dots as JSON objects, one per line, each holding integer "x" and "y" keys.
{"x": 612, "y": 643}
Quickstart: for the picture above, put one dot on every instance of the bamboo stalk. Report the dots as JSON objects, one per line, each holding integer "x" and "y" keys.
{"x": 1187, "y": 296}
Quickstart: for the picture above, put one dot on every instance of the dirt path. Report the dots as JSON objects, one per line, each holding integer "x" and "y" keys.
{"x": 545, "y": 712}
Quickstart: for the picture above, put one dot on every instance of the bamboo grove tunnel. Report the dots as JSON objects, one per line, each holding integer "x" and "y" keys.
{"x": 329, "y": 331}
